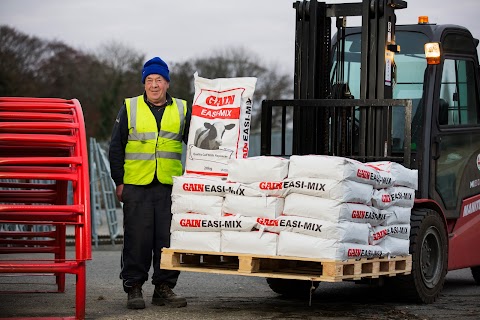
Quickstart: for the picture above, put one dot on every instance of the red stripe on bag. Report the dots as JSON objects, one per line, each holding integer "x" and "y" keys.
{"x": 223, "y": 113}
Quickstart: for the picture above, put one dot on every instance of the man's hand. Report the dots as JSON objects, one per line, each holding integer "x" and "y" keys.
{"x": 119, "y": 191}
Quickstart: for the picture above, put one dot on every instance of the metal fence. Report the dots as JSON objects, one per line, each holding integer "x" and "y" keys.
{"x": 104, "y": 203}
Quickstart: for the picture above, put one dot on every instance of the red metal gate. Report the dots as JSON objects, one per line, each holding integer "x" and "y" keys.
{"x": 43, "y": 152}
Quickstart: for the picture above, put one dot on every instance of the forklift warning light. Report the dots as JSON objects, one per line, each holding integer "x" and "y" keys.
{"x": 423, "y": 20}
{"x": 432, "y": 52}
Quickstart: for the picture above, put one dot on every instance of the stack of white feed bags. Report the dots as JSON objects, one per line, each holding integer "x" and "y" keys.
{"x": 197, "y": 220}
{"x": 333, "y": 193}
{"x": 262, "y": 178}
{"x": 396, "y": 203}
{"x": 349, "y": 200}
{"x": 211, "y": 214}
{"x": 308, "y": 206}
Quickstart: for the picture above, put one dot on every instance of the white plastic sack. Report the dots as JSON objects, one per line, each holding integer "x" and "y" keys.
{"x": 343, "y": 231}
{"x": 266, "y": 207}
{"x": 399, "y": 231}
{"x": 189, "y": 203}
{"x": 343, "y": 191}
{"x": 241, "y": 189}
{"x": 197, "y": 241}
{"x": 194, "y": 223}
{"x": 210, "y": 186}
{"x": 331, "y": 210}
{"x": 300, "y": 245}
{"x": 395, "y": 246}
{"x": 402, "y": 175}
{"x": 261, "y": 168}
{"x": 393, "y": 196}
{"x": 220, "y": 124}
{"x": 397, "y": 215}
{"x": 337, "y": 168}
{"x": 238, "y": 223}
{"x": 269, "y": 188}
{"x": 199, "y": 185}
{"x": 255, "y": 242}
{"x": 203, "y": 223}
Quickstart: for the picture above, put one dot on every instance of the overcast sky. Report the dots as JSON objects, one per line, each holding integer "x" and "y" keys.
{"x": 183, "y": 29}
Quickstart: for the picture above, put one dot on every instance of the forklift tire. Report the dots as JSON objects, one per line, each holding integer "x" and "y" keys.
{"x": 476, "y": 274}
{"x": 292, "y": 288}
{"x": 429, "y": 250}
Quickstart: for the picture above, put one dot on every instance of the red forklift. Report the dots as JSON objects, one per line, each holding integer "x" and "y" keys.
{"x": 404, "y": 93}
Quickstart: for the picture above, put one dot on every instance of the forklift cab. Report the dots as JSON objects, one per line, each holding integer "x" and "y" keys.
{"x": 445, "y": 126}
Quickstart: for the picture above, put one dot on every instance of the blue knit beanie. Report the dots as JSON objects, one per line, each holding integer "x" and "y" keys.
{"x": 155, "y": 66}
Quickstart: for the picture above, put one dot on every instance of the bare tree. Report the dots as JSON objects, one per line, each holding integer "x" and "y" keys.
{"x": 30, "y": 66}
{"x": 20, "y": 55}
{"x": 120, "y": 78}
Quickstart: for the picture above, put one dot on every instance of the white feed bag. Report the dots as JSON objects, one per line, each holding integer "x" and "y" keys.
{"x": 393, "y": 196}
{"x": 343, "y": 231}
{"x": 254, "y": 169}
{"x": 220, "y": 124}
{"x": 199, "y": 241}
{"x": 199, "y": 185}
{"x": 395, "y": 246}
{"x": 300, "y": 245}
{"x": 343, "y": 191}
{"x": 241, "y": 189}
{"x": 266, "y": 207}
{"x": 331, "y": 210}
{"x": 238, "y": 223}
{"x": 204, "y": 223}
{"x": 194, "y": 222}
{"x": 399, "y": 231}
{"x": 402, "y": 175}
{"x": 337, "y": 168}
{"x": 211, "y": 186}
{"x": 255, "y": 242}
{"x": 397, "y": 215}
{"x": 269, "y": 188}
{"x": 210, "y": 205}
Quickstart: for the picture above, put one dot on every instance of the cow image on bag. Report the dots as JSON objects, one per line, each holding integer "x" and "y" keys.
{"x": 210, "y": 136}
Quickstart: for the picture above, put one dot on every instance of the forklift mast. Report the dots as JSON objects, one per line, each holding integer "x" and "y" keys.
{"x": 313, "y": 60}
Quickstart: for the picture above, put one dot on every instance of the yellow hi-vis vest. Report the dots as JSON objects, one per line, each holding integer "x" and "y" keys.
{"x": 147, "y": 148}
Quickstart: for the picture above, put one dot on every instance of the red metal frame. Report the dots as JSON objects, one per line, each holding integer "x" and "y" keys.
{"x": 464, "y": 237}
{"x": 44, "y": 139}
{"x": 462, "y": 232}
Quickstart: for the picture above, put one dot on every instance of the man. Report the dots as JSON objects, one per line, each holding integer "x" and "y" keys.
{"x": 145, "y": 153}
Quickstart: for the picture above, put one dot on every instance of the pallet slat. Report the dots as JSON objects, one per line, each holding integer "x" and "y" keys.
{"x": 283, "y": 267}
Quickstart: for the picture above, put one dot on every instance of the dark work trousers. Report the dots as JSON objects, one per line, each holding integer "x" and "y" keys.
{"x": 146, "y": 230}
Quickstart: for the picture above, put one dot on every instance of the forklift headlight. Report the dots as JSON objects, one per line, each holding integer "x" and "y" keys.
{"x": 433, "y": 52}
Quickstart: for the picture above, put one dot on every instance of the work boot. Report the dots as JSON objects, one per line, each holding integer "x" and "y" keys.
{"x": 135, "y": 298}
{"x": 163, "y": 295}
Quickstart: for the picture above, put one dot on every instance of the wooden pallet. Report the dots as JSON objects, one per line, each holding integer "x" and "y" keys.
{"x": 283, "y": 267}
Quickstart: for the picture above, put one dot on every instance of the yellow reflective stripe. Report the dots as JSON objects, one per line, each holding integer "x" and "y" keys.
{"x": 168, "y": 155}
{"x": 134, "y": 135}
{"x": 181, "y": 114}
{"x": 133, "y": 114}
{"x": 139, "y": 156}
{"x": 170, "y": 135}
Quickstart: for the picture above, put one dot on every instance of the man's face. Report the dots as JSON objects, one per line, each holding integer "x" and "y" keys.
{"x": 156, "y": 88}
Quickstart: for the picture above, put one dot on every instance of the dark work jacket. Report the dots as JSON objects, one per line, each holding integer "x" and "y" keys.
{"x": 119, "y": 138}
